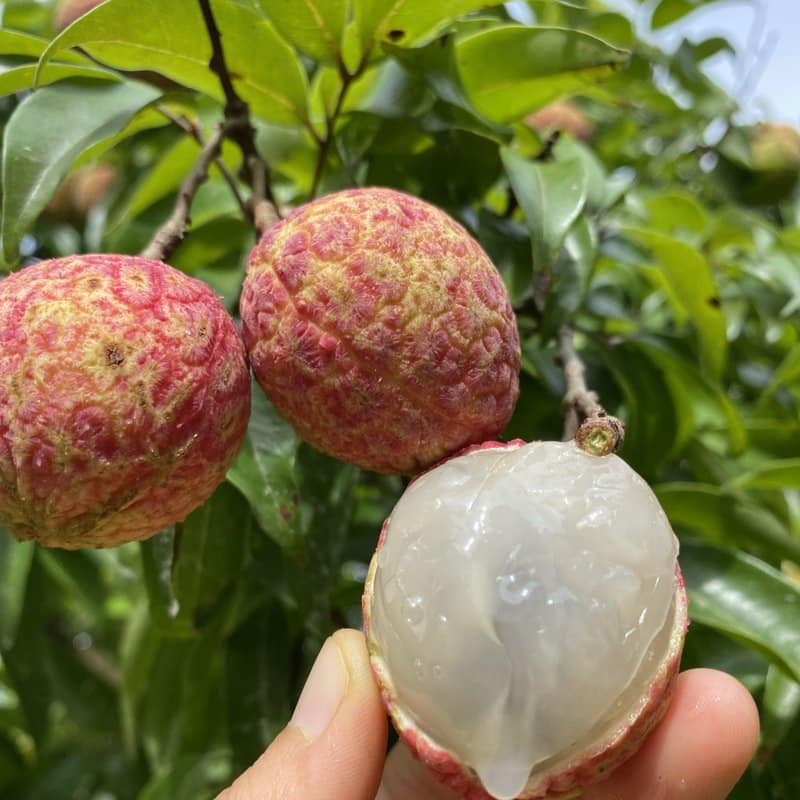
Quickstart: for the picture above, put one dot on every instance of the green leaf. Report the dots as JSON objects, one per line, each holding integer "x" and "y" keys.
{"x": 265, "y": 473}
{"x": 164, "y": 177}
{"x": 787, "y": 372}
{"x": 15, "y": 564}
{"x": 691, "y": 278}
{"x": 654, "y": 416}
{"x": 780, "y": 474}
{"x": 158, "y": 560}
{"x": 711, "y": 408}
{"x": 36, "y": 157}
{"x": 178, "y": 47}
{"x": 780, "y": 709}
{"x": 744, "y": 598}
{"x": 406, "y": 21}
{"x": 726, "y": 517}
{"x": 259, "y": 674}
{"x": 14, "y": 78}
{"x": 551, "y": 197}
{"x": 18, "y": 43}
{"x": 212, "y": 548}
{"x": 508, "y": 71}
{"x": 677, "y": 211}
{"x": 669, "y": 11}
{"x": 316, "y": 27}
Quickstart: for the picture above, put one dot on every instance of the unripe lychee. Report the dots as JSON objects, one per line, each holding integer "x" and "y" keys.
{"x": 525, "y": 617}
{"x": 775, "y": 147}
{"x": 381, "y": 330}
{"x": 124, "y": 398}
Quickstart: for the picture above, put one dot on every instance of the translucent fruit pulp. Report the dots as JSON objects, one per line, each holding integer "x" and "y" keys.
{"x": 523, "y": 597}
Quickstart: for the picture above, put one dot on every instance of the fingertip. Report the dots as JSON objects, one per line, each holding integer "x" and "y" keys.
{"x": 335, "y": 744}
{"x": 698, "y": 751}
{"x": 723, "y": 704}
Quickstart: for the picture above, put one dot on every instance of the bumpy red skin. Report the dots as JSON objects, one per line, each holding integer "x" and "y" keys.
{"x": 562, "y": 780}
{"x": 68, "y": 11}
{"x": 381, "y": 330}
{"x": 124, "y": 398}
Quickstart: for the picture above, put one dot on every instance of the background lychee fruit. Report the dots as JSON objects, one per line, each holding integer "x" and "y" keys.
{"x": 80, "y": 191}
{"x": 525, "y": 616}
{"x": 563, "y": 116}
{"x": 124, "y": 398}
{"x": 381, "y": 330}
{"x": 67, "y": 11}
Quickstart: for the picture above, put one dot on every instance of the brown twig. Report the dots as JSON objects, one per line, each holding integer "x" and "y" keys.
{"x": 546, "y": 153}
{"x": 599, "y": 434}
{"x": 239, "y": 127}
{"x": 194, "y": 130}
{"x": 325, "y": 141}
{"x": 171, "y": 233}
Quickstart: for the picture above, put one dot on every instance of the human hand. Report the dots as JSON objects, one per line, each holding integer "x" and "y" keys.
{"x": 335, "y": 745}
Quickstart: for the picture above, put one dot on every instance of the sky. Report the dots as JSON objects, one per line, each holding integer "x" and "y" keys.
{"x": 765, "y": 75}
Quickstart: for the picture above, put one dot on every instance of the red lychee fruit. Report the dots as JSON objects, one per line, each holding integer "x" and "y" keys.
{"x": 562, "y": 116}
{"x": 67, "y": 11}
{"x": 124, "y": 398}
{"x": 381, "y": 330}
{"x": 525, "y": 616}
{"x": 80, "y": 191}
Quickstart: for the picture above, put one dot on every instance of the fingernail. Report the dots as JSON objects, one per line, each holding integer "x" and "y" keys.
{"x": 323, "y": 692}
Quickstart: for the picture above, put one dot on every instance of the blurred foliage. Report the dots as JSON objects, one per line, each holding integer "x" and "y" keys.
{"x": 672, "y": 248}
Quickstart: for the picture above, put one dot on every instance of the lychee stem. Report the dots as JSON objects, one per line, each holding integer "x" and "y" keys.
{"x": 600, "y": 434}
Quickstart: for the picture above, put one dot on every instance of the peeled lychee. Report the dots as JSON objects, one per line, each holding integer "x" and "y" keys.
{"x": 381, "y": 330}
{"x": 525, "y": 617}
{"x": 124, "y": 398}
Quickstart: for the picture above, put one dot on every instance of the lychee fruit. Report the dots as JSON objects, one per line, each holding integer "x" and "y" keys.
{"x": 67, "y": 11}
{"x": 381, "y": 330}
{"x": 80, "y": 191}
{"x": 525, "y": 616}
{"x": 562, "y": 116}
{"x": 124, "y": 398}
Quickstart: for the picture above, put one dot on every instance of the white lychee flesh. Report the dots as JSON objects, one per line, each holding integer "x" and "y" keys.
{"x": 521, "y": 607}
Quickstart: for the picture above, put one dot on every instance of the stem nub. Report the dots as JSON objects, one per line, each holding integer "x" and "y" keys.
{"x": 600, "y": 435}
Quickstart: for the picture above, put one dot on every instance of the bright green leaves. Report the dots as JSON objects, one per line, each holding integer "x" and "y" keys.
{"x": 668, "y": 11}
{"x": 509, "y": 71}
{"x": 746, "y": 599}
{"x": 20, "y": 52}
{"x": 315, "y": 27}
{"x": 15, "y": 564}
{"x": 689, "y": 277}
{"x": 727, "y": 517}
{"x": 551, "y": 196}
{"x": 405, "y": 21}
{"x": 37, "y": 156}
{"x": 503, "y": 73}
{"x": 178, "y": 47}
{"x": 265, "y": 473}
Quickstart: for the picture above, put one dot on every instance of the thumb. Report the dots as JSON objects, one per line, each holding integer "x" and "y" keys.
{"x": 335, "y": 743}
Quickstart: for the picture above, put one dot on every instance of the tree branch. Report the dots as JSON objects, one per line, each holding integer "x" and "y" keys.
{"x": 194, "y": 130}
{"x": 599, "y": 434}
{"x": 239, "y": 127}
{"x": 171, "y": 233}
{"x": 330, "y": 121}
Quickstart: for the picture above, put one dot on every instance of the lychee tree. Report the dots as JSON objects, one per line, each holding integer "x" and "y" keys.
{"x": 647, "y": 253}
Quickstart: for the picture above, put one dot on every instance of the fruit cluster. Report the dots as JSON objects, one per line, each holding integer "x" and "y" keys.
{"x": 384, "y": 334}
{"x": 373, "y": 321}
